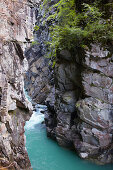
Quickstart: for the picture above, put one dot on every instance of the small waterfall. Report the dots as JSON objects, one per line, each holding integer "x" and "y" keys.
{"x": 37, "y": 117}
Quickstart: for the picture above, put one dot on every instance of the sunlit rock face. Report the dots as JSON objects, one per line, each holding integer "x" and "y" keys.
{"x": 16, "y": 27}
{"x": 95, "y": 111}
{"x": 78, "y": 93}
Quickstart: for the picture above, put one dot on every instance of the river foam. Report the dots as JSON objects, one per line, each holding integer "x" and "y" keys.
{"x": 37, "y": 117}
{"x": 45, "y": 154}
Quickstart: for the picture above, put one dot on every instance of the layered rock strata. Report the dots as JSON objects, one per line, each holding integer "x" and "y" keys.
{"x": 16, "y": 23}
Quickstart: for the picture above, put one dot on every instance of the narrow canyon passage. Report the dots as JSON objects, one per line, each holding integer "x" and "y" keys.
{"x": 60, "y": 51}
{"x": 75, "y": 83}
{"x": 46, "y": 154}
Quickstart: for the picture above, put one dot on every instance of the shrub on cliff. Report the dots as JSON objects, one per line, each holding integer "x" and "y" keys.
{"x": 79, "y": 26}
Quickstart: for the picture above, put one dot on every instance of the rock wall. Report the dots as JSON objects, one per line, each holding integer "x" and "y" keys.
{"x": 84, "y": 98}
{"x": 16, "y": 27}
{"x": 78, "y": 93}
{"x": 39, "y": 81}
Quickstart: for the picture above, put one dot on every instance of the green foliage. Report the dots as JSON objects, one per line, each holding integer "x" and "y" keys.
{"x": 44, "y": 22}
{"x": 52, "y": 17}
{"x": 41, "y": 7}
{"x": 65, "y": 12}
{"x": 46, "y": 1}
{"x": 53, "y": 64}
{"x": 78, "y": 28}
{"x": 36, "y": 28}
{"x": 34, "y": 43}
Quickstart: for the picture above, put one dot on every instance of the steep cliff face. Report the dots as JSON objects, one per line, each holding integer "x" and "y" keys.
{"x": 84, "y": 103}
{"x": 78, "y": 93}
{"x": 16, "y": 22}
{"x": 39, "y": 81}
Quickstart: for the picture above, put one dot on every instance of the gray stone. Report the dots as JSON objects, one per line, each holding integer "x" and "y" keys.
{"x": 65, "y": 55}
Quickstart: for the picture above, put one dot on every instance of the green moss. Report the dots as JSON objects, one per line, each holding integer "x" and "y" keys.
{"x": 77, "y": 105}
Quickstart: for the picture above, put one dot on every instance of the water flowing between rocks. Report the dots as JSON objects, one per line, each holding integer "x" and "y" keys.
{"x": 45, "y": 154}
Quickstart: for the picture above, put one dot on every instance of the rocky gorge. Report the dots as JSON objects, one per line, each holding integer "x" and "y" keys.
{"x": 78, "y": 90}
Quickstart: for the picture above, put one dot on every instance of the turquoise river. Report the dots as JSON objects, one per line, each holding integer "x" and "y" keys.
{"x": 45, "y": 154}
